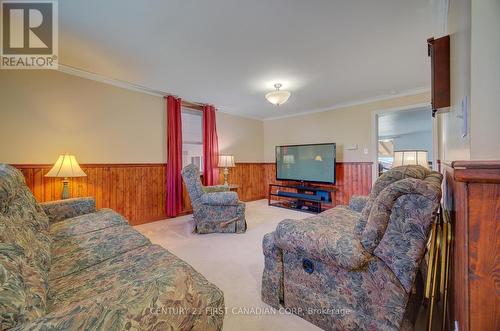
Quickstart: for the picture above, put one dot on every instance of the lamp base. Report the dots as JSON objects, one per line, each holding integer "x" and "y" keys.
{"x": 226, "y": 172}
{"x": 65, "y": 190}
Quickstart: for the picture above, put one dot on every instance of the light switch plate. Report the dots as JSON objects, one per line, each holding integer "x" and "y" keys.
{"x": 465, "y": 116}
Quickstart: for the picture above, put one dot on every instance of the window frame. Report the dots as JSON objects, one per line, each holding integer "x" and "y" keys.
{"x": 193, "y": 111}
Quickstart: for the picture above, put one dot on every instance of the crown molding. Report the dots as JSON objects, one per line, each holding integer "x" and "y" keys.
{"x": 130, "y": 86}
{"x": 342, "y": 105}
{"x": 110, "y": 81}
{"x": 143, "y": 89}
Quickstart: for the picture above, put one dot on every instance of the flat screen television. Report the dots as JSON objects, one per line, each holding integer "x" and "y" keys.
{"x": 306, "y": 163}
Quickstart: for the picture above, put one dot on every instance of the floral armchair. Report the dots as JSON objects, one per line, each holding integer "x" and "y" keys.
{"x": 352, "y": 268}
{"x": 215, "y": 209}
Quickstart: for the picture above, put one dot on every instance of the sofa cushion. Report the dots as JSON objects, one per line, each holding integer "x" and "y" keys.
{"x": 191, "y": 177}
{"x": 328, "y": 237}
{"x": 158, "y": 304}
{"x": 384, "y": 206}
{"x": 386, "y": 179}
{"x": 220, "y": 199}
{"x": 76, "y": 253}
{"x": 9, "y": 184}
{"x": 23, "y": 291}
{"x": 25, "y": 257}
{"x": 22, "y": 220}
{"x": 148, "y": 276}
{"x": 35, "y": 246}
{"x": 101, "y": 219}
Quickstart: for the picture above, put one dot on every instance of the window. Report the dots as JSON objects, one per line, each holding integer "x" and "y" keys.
{"x": 192, "y": 138}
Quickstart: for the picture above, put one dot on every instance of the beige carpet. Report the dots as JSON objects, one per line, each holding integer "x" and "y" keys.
{"x": 234, "y": 262}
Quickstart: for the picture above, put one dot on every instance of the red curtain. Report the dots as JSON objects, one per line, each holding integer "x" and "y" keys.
{"x": 174, "y": 156}
{"x": 210, "y": 147}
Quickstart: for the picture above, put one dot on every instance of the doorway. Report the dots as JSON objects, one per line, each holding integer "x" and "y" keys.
{"x": 404, "y": 136}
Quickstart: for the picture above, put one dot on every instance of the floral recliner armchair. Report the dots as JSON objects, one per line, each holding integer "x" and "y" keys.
{"x": 215, "y": 209}
{"x": 353, "y": 268}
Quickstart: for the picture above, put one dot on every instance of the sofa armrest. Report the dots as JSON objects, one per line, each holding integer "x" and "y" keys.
{"x": 62, "y": 209}
{"x": 215, "y": 188}
{"x": 330, "y": 241}
{"x": 358, "y": 202}
{"x": 220, "y": 199}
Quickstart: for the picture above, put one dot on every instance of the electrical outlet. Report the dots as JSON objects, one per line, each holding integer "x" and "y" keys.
{"x": 365, "y": 151}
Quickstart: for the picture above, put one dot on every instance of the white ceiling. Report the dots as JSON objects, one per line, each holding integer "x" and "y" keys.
{"x": 231, "y": 52}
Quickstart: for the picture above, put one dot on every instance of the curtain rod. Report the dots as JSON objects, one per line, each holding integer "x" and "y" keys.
{"x": 118, "y": 83}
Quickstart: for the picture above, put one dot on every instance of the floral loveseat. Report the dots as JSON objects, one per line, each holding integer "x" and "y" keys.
{"x": 354, "y": 268}
{"x": 66, "y": 266}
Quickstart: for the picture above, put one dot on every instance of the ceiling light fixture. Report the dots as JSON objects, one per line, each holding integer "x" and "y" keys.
{"x": 278, "y": 97}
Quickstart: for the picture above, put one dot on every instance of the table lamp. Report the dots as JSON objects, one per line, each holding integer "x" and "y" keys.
{"x": 410, "y": 157}
{"x": 226, "y": 161}
{"x": 66, "y": 167}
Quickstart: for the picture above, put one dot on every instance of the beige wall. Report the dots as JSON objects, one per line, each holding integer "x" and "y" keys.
{"x": 485, "y": 80}
{"x": 453, "y": 145}
{"x": 474, "y": 27}
{"x": 346, "y": 127}
{"x": 45, "y": 113}
{"x": 240, "y": 136}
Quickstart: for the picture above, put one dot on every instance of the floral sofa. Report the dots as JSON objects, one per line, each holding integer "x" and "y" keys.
{"x": 66, "y": 266}
{"x": 215, "y": 209}
{"x": 353, "y": 268}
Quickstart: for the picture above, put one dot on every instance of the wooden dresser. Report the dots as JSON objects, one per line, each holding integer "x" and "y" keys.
{"x": 472, "y": 196}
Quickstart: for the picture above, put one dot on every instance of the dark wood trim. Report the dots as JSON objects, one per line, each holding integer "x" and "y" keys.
{"x": 476, "y": 171}
{"x": 475, "y": 164}
{"x": 472, "y": 198}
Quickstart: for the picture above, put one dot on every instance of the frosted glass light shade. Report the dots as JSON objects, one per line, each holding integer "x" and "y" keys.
{"x": 278, "y": 97}
{"x": 226, "y": 161}
{"x": 411, "y": 157}
{"x": 66, "y": 166}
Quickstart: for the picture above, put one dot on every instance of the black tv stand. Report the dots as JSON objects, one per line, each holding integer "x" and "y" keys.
{"x": 311, "y": 199}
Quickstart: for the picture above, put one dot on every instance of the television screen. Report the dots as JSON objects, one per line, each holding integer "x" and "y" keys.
{"x": 308, "y": 163}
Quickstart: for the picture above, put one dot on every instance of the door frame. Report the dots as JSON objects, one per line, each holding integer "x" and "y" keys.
{"x": 374, "y": 138}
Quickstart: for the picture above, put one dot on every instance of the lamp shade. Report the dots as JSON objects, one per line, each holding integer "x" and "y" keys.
{"x": 226, "y": 161}
{"x": 411, "y": 157}
{"x": 289, "y": 159}
{"x": 66, "y": 166}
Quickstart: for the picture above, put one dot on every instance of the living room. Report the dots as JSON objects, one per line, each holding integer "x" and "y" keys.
{"x": 143, "y": 161}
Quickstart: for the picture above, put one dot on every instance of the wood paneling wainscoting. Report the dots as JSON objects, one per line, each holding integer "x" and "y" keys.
{"x": 138, "y": 191}
{"x": 353, "y": 178}
{"x": 472, "y": 198}
{"x": 254, "y": 178}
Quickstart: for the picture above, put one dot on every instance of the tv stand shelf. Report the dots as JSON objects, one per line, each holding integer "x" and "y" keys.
{"x": 312, "y": 199}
